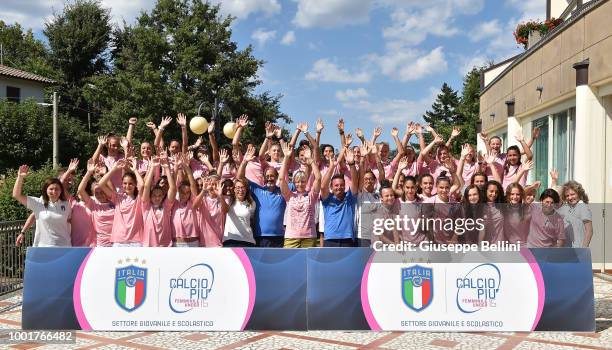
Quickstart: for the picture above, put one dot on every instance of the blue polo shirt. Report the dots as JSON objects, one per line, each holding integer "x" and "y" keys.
{"x": 339, "y": 216}
{"x": 270, "y": 210}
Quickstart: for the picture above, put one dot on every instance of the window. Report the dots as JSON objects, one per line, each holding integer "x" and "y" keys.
{"x": 13, "y": 93}
{"x": 540, "y": 152}
{"x": 560, "y": 146}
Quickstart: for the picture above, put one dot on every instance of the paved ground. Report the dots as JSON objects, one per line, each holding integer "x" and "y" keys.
{"x": 601, "y": 339}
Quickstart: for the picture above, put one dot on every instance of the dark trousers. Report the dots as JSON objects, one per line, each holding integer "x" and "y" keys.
{"x": 364, "y": 243}
{"x": 234, "y": 243}
{"x": 270, "y": 241}
{"x": 343, "y": 242}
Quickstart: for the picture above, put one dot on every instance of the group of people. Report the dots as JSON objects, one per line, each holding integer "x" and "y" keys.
{"x": 300, "y": 194}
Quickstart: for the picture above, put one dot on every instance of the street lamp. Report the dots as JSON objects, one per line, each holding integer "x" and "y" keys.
{"x": 55, "y": 137}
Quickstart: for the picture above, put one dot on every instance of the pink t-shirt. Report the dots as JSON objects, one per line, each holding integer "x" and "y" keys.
{"x": 413, "y": 169}
{"x": 81, "y": 225}
{"x": 301, "y": 215}
{"x": 212, "y": 222}
{"x": 184, "y": 220}
{"x": 110, "y": 161}
{"x": 469, "y": 169}
{"x": 198, "y": 168}
{"x": 143, "y": 165}
{"x": 544, "y": 230}
{"x": 436, "y": 168}
{"x": 228, "y": 171}
{"x": 440, "y": 210}
{"x": 489, "y": 173}
{"x": 102, "y": 215}
{"x": 516, "y": 226}
{"x": 494, "y": 223}
{"x": 511, "y": 174}
{"x": 254, "y": 172}
{"x": 127, "y": 223}
{"x": 157, "y": 224}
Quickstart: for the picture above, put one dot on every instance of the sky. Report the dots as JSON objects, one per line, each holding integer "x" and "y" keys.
{"x": 372, "y": 62}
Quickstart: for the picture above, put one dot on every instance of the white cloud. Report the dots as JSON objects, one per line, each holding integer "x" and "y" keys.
{"x": 350, "y": 94}
{"x": 262, "y": 36}
{"x": 411, "y": 27}
{"x": 485, "y": 30}
{"x": 411, "y": 64}
{"x": 331, "y": 13}
{"x": 529, "y": 9}
{"x": 244, "y": 8}
{"x": 324, "y": 70}
{"x": 468, "y": 63}
{"x": 393, "y": 111}
{"x": 288, "y": 38}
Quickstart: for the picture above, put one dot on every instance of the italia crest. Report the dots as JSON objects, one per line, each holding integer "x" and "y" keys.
{"x": 130, "y": 286}
{"x": 417, "y": 287}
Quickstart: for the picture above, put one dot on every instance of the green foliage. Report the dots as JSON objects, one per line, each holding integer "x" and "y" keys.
{"x": 27, "y": 130}
{"x": 10, "y": 209}
{"x": 174, "y": 58}
{"x": 22, "y": 51}
{"x": 450, "y": 110}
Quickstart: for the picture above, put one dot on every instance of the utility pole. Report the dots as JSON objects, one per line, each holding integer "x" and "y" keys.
{"x": 55, "y": 148}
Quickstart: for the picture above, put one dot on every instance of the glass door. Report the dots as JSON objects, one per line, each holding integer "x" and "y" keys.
{"x": 540, "y": 152}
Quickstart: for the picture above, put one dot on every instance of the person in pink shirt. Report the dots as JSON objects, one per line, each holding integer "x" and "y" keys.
{"x": 102, "y": 208}
{"x": 493, "y": 215}
{"x": 512, "y": 167}
{"x": 127, "y": 223}
{"x": 516, "y": 215}
{"x": 472, "y": 207}
{"x": 300, "y": 231}
{"x": 426, "y": 185}
{"x": 441, "y": 206}
{"x": 112, "y": 144}
{"x": 81, "y": 225}
{"x": 211, "y": 219}
{"x": 546, "y": 228}
{"x": 157, "y": 206}
{"x": 184, "y": 214}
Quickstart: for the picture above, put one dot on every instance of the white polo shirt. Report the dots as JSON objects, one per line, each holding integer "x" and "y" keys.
{"x": 52, "y": 223}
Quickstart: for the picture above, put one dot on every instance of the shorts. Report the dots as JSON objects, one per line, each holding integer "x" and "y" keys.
{"x": 270, "y": 241}
{"x": 127, "y": 244}
{"x": 342, "y": 242}
{"x": 300, "y": 242}
{"x": 187, "y": 244}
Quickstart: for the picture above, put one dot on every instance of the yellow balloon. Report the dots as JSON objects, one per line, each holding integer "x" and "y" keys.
{"x": 198, "y": 125}
{"x": 229, "y": 130}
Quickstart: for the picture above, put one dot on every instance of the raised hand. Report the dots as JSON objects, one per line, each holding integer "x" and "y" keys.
{"x": 156, "y": 161}
{"x": 249, "y": 155}
{"x": 223, "y": 156}
{"x": 348, "y": 139}
{"x": 102, "y": 140}
{"x": 535, "y": 133}
{"x": 165, "y": 122}
{"x": 394, "y": 132}
{"x": 377, "y": 131}
{"x": 373, "y": 148}
{"x": 23, "y": 170}
{"x": 199, "y": 141}
{"x": 456, "y": 131}
{"x": 220, "y": 188}
{"x": 151, "y": 125}
{"x": 133, "y": 120}
{"x": 554, "y": 174}
{"x": 519, "y": 137}
{"x": 303, "y": 127}
{"x": 73, "y": 166}
{"x": 181, "y": 120}
{"x": 365, "y": 150}
{"x": 418, "y": 128}
{"x": 277, "y": 131}
{"x": 91, "y": 166}
{"x": 243, "y": 121}
{"x": 490, "y": 158}
{"x": 163, "y": 159}
{"x": 320, "y": 125}
{"x": 341, "y": 125}
{"x": 403, "y": 163}
{"x": 307, "y": 154}
{"x": 287, "y": 149}
{"x": 124, "y": 142}
{"x": 465, "y": 150}
{"x": 438, "y": 139}
{"x": 120, "y": 164}
{"x": 269, "y": 127}
{"x": 211, "y": 127}
{"x": 359, "y": 133}
{"x": 411, "y": 128}
{"x": 350, "y": 157}
{"x": 332, "y": 161}
{"x": 528, "y": 165}
{"x": 484, "y": 137}
{"x": 428, "y": 128}
{"x": 203, "y": 158}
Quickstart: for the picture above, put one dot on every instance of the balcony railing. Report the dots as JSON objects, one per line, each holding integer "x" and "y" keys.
{"x": 12, "y": 258}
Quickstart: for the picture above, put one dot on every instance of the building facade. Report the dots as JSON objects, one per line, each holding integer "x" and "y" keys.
{"x": 563, "y": 85}
{"x": 17, "y": 85}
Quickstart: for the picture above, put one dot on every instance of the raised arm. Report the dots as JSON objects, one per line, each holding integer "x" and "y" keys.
{"x": 264, "y": 146}
{"x": 18, "y": 187}
{"x": 403, "y": 163}
{"x": 326, "y": 179}
{"x": 419, "y": 131}
{"x": 165, "y": 164}
{"x": 130, "y": 131}
{"x": 377, "y": 132}
{"x": 535, "y": 133}
{"x": 360, "y": 136}
{"x": 182, "y": 121}
{"x": 485, "y": 139}
{"x": 490, "y": 160}
{"x": 410, "y": 129}
{"x": 456, "y": 131}
{"x": 379, "y": 165}
{"x": 525, "y": 167}
{"x": 159, "y": 140}
{"x": 82, "y": 190}
{"x": 148, "y": 182}
{"x": 341, "y": 132}
{"x": 101, "y": 143}
{"x": 214, "y": 148}
{"x": 72, "y": 168}
{"x": 29, "y": 222}
{"x": 319, "y": 128}
{"x": 465, "y": 150}
{"x": 193, "y": 186}
{"x": 248, "y": 156}
{"x": 316, "y": 152}
{"x": 398, "y": 144}
{"x": 224, "y": 206}
{"x": 105, "y": 180}
{"x": 287, "y": 151}
{"x": 139, "y": 180}
{"x": 350, "y": 161}
{"x": 243, "y": 121}
{"x": 526, "y": 149}
{"x": 223, "y": 159}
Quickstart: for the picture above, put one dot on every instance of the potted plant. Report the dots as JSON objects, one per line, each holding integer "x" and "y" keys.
{"x": 526, "y": 29}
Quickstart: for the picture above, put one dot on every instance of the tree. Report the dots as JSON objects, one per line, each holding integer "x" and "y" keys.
{"x": 443, "y": 115}
{"x": 79, "y": 37}
{"x": 22, "y": 51}
{"x": 469, "y": 107}
{"x": 174, "y": 58}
